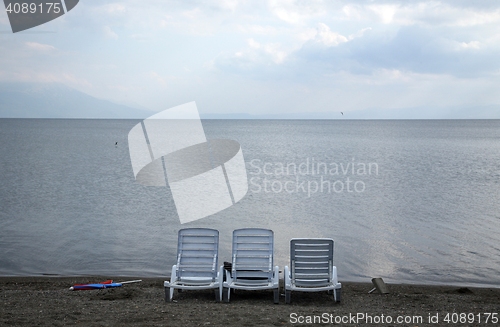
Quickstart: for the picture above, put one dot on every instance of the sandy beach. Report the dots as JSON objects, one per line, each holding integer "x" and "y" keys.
{"x": 47, "y": 301}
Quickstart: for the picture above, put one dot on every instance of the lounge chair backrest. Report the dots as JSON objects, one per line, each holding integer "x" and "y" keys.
{"x": 197, "y": 252}
{"x": 253, "y": 250}
{"x": 311, "y": 261}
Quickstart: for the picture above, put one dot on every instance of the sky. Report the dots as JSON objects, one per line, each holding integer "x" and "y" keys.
{"x": 269, "y": 57}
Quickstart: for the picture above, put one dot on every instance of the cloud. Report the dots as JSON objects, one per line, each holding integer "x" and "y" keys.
{"x": 470, "y": 45}
{"x": 443, "y": 37}
{"x": 384, "y": 13}
{"x": 256, "y": 29}
{"x": 430, "y": 13}
{"x": 325, "y": 36}
{"x": 45, "y": 77}
{"x": 317, "y": 51}
{"x": 418, "y": 49}
{"x": 266, "y": 57}
{"x": 160, "y": 80}
{"x": 109, "y": 33}
{"x": 39, "y": 47}
{"x": 425, "y": 51}
{"x": 270, "y": 50}
{"x": 141, "y": 37}
{"x": 299, "y": 12}
{"x": 114, "y": 8}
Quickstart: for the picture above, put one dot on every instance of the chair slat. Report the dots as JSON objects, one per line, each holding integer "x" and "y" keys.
{"x": 253, "y": 253}
{"x": 311, "y": 262}
{"x": 197, "y": 253}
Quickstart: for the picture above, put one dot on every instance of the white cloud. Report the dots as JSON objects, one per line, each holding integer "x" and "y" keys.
{"x": 359, "y": 33}
{"x": 306, "y": 35}
{"x": 431, "y": 13}
{"x": 114, "y": 8}
{"x": 109, "y": 33}
{"x": 327, "y": 37}
{"x": 287, "y": 15}
{"x": 253, "y": 44}
{"x": 275, "y": 52}
{"x": 194, "y": 21}
{"x": 385, "y": 13}
{"x": 473, "y": 18}
{"x": 230, "y": 5}
{"x": 297, "y": 12}
{"x": 442, "y": 14}
{"x": 257, "y": 54}
{"x": 266, "y": 53}
{"x": 46, "y": 77}
{"x": 470, "y": 45}
{"x": 140, "y": 37}
{"x": 39, "y": 47}
{"x": 255, "y": 29}
{"x": 160, "y": 80}
{"x": 195, "y": 13}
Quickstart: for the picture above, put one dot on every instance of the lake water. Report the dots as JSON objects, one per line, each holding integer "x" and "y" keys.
{"x": 409, "y": 201}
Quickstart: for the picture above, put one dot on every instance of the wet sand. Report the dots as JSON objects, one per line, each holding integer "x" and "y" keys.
{"x": 47, "y": 301}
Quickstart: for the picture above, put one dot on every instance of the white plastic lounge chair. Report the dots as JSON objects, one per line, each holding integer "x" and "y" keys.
{"x": 252, "y": 263}
{"x": 197, "y": 260}
{"x": 311, "y": 268}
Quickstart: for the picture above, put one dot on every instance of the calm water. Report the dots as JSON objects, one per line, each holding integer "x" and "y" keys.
{"x": 422, "y": 204}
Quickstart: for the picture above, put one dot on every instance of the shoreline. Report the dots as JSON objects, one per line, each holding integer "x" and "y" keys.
{"x": 95, "y": 278}
{"x": 47, "y": 301}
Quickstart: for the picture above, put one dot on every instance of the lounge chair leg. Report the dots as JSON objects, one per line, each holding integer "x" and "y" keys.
{"x": 225, "y": 294}
{"x": 276, "y": 296}
{"x": 169, "y": 294}
{"x": 338, "y": 295}
{"x": 288, "y": 296}
{"x": 217, "y": 295}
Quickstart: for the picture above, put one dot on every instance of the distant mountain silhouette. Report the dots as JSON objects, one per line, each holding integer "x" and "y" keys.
{"x": 428, "y": 112}
{"x": 52, "y": 100}
{"x": 465, "y": 112}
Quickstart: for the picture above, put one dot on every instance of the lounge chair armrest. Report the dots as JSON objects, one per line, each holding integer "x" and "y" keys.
{"x": 220, "y": 275}
{"x": 173, "y": 275}
{"x": 286, "y": 272}
{"x": 276, "y": 277}
{"x": 334, "y": 275}
{"x": 229, "y": 279}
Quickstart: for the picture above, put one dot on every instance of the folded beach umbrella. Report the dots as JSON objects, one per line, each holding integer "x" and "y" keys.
{"x": 101, "y": 285}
